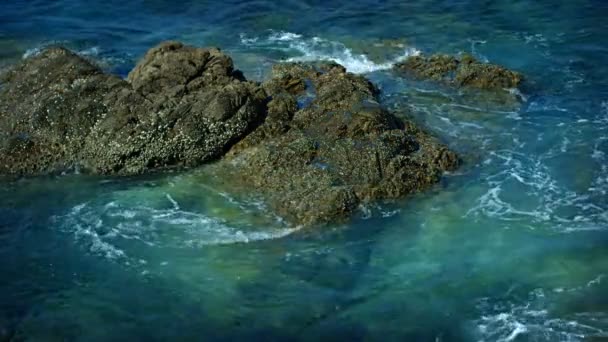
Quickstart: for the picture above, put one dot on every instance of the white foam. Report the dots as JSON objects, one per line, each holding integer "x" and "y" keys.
{"x": 31, "y": 52}
{"x": 549, "y": 199}
{"x": 518, "y": 330}
{"x": 375, "y": 210}
{"x": 93, "y": 51}
{"x": 318, "y": 49}
{"x": 516, "y": 92}
{"x": 106, "y": 228}
{"x": 509, "y": 320}
{"x": 174, "y": 202}
{"x": 284, "y": 36}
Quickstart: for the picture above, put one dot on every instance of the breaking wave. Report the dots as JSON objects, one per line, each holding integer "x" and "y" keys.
{"x": 310, "y": 49}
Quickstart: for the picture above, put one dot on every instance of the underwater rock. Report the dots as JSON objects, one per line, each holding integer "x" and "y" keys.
{"x": 340, "y": 149}
{"x": 181, "y": 106}
{"x": 465, "y": 71}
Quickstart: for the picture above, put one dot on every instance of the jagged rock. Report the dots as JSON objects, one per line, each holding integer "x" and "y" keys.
{"x": 465, "y": 71}
{"x": 318, "y": 147}
{"x": 339, "y": 150}
{"x": 173, "y": 64}
{"x": 181, "y": 106}
{"x": 194, "y": 106}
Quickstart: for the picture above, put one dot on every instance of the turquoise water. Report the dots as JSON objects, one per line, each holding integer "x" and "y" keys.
{"x": 511, "y": 247}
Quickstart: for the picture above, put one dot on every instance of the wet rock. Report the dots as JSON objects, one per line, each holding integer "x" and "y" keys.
{"x": 194, "y": 106}
{"x": 280, "y": 111}
{"x": 173, "y": 64}
{"x": 436, "y": 67}
{"x": 48, "y": 104}
{"x": 339, "y": 150}
{"x": 465, "y": 71}
{"x": 181, "y": 106}
{"x": 313, "y": 140}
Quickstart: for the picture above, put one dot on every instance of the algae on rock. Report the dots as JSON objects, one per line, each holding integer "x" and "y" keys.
{"x": 465, "y": 71}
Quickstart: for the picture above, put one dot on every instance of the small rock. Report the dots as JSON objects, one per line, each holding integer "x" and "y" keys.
{"x": 465, "y": 71}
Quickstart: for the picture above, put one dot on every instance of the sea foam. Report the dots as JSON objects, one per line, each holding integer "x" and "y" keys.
{"x": 529, "y": 319}
{"x": 310, "y": 49}
{"x": 117, "y": 229}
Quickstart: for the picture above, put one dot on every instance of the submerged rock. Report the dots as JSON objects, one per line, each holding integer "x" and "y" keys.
{"x": 340, "y": 149}
{"x": 465, "y": 71}
{"x": 181, "y": 106}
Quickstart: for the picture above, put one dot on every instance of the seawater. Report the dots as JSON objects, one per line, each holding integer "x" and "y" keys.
{"x": 510, "y": 247}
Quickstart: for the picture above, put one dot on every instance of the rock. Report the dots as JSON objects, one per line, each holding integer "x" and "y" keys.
{"x": 436, "y": 67}
{"x": 463, "y": 72}
{"x": 181, "y": 106}
{"x": 194, "y": 106}
{"x": 340, "y": 149}
{"x": 48, "y": 104}
{"x": 313, "y": 141}
{"x": 173, "y": 64}
{"x": 486, "y": 76}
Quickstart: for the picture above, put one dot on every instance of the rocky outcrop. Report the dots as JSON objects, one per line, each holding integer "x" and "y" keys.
{"x": 334, "y": 148}
{"x": 48, "y": 105}
{"x": 465, "y": 71}
{"x": 194, "y": 106}
{"x": 181, "y": 106}
{"x": 313, "y": 140}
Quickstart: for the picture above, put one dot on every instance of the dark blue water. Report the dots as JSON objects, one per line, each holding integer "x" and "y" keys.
{"x": 512, "y": 247}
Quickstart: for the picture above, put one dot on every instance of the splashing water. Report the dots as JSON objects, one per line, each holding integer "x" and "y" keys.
{"x": 319, "y": 49}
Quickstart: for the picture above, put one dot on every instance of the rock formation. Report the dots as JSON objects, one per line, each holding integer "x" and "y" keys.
{"x": 313, "y": 140}
{"x": 327, "y": 146}
{"x": 465, "y": 71}
{"x": 181, "y": 106}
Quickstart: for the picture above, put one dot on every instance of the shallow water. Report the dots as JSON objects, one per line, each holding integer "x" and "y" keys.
{"x": 511, "y": 247}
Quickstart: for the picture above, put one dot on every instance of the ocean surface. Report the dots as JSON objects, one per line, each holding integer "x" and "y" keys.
{"x": 511, "y": 247}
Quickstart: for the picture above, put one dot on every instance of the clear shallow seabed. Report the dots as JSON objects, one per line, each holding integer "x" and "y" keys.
{"x": 511, "y": 247}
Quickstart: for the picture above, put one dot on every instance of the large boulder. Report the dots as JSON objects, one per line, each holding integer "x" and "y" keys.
{"x": 181, "y": 106}
{"x": 191, "y": 107}
{"x": 327, "y": 146}
{"x": 465, "y": 71}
